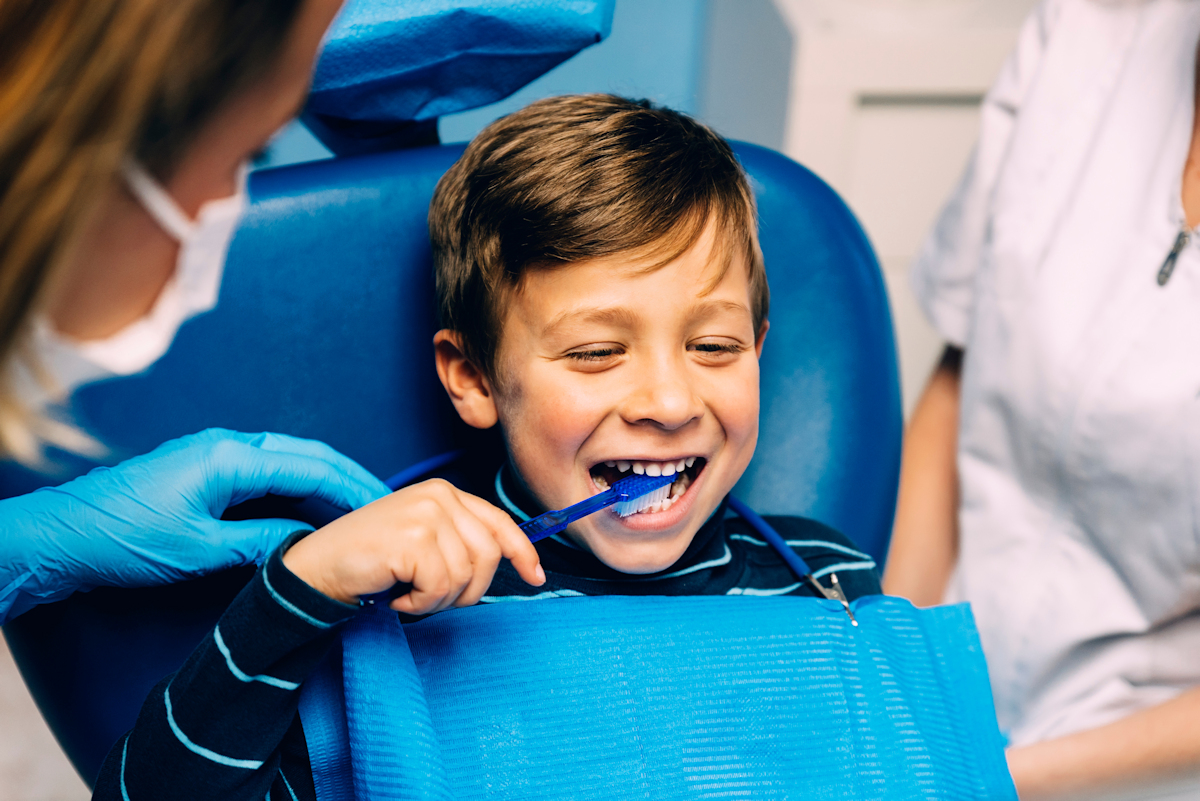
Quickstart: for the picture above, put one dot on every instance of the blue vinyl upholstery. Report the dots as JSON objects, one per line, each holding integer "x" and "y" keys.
{"x": 324, "y": 331}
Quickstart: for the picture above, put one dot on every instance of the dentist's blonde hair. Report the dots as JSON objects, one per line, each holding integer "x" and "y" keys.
{"x": 85, "y": 84}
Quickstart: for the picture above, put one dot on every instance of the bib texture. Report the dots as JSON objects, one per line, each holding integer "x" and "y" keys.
{"x": 659, "y": 698}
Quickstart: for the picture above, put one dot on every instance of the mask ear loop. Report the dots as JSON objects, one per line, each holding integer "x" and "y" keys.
{"x": 158, "y": 204}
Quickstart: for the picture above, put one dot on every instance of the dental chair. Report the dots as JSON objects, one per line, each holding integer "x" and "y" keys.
{"x": 324, "y": 330}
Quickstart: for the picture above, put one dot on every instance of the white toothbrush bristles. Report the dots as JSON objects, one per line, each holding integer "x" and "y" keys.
{"x": 643, "y": 502}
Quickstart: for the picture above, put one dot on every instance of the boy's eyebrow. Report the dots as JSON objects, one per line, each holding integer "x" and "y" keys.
{"x": 710, "y": 308}
{"x": 621, "y": 317}
{"x": 615, "y": 316}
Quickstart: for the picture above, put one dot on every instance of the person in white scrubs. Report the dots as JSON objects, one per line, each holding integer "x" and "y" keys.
{"x": 1051, "y": 472}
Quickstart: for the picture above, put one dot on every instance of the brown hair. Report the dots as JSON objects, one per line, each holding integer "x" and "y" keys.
{"x": 580, "y": 177}
{"x": 84, "y": 84}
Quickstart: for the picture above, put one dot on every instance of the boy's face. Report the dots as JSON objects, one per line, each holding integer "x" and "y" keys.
{"x": 606, "y": 368}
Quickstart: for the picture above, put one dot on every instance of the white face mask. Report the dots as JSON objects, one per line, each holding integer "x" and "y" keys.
{"x": 191, "y": 290}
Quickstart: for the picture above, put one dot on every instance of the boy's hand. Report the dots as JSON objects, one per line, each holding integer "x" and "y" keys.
{"x": 444, "y": 542}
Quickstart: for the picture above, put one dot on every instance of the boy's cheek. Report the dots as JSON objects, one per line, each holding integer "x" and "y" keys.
{"x": 543, "y": 440}
{"x": 547, "y": 401}
{"x": 734, "y": 399}
{"x": 546, "y": 430}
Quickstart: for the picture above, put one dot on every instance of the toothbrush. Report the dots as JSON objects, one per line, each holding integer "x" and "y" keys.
{"x": 640, "y": 491}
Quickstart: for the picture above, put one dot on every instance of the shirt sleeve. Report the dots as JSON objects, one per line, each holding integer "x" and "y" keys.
{"x": 215, "y": 728}
{"x": 943, "y": 275}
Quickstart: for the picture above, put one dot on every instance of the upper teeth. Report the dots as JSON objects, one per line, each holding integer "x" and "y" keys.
{"x": 654, "y": 468}
{"x": 658, "y": 500}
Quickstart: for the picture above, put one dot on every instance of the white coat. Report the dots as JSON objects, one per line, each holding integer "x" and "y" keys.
{"x": 1079, "y": 440}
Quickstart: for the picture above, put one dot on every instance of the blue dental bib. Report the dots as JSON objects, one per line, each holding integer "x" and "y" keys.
{"x": 663, "y": 698}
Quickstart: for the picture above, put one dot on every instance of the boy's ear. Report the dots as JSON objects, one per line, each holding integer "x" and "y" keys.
{"x": 762, "y": 337}
{"x": 468, "y": 388}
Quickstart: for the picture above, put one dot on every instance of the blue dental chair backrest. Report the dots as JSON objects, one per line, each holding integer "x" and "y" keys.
{"x": 324, "y": 330}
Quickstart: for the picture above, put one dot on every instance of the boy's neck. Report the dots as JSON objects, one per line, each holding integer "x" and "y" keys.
{"x": 513, "y": 496}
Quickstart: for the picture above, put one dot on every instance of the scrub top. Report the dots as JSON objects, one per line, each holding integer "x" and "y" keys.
{"x": 1079, "y": 440}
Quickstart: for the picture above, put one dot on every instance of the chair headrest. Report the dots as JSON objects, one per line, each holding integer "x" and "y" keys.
{"x": 389, "y": 69}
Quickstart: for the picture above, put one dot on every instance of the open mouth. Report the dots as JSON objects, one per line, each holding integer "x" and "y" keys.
{"x": 686, "y": 469}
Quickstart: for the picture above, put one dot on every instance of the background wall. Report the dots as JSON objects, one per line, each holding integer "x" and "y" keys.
{"x": 884, "y": 105}
{"x": 879, "y": 97}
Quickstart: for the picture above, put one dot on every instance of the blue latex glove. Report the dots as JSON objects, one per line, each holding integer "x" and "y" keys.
{"x": 155, "y": 519}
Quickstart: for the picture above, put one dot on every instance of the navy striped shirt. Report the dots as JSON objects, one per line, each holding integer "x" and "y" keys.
{"x": 226, "y": 727}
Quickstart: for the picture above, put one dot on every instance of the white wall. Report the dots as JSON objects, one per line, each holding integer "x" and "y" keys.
{"x": 883, "y": 105}
{"x": 746, "y": 71}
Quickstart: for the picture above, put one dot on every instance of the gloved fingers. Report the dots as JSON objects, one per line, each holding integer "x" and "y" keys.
{"x": 244, "y": 542}
{"x": 282, "y": 443}
{"x": 514, "y": 545}
{"x": 243, "y": 472}
{"x": 230, "y": 544}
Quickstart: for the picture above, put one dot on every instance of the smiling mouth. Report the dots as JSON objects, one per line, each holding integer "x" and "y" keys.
{"x": 605, "y": 474}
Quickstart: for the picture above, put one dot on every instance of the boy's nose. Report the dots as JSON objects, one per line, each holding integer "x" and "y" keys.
{"x": 665, "y": 399}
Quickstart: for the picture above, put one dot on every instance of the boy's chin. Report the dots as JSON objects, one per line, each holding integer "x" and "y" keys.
{"x": 637, "y": 545}
{"x": 639, "y": 559}
{"x": 642, "y": 567}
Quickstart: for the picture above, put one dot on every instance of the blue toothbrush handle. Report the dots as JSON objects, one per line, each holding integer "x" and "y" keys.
{"x": 550, "y": 523}
{"x": 545, "y": 525}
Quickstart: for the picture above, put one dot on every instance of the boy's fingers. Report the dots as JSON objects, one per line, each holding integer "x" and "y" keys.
{"x": 484, "y": 553}
{"x": 430, "y": 584}
{"x": 514, "y": 545}
{"x": 459, "y": 569}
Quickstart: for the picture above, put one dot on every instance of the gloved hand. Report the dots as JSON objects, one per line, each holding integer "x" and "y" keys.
{"x": 155, "y": 519}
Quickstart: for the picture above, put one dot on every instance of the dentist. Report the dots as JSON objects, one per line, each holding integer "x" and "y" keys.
{"x": 126, "y": 127}
{"x": 1051, "y": 473}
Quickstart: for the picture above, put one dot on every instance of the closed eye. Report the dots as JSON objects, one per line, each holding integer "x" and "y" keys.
{"x": 715, "y": 347}
{"x": 716, "y": 352}
{"x": 593, "y": 355}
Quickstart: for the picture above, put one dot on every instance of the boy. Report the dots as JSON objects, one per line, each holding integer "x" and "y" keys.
{"x": 605, "y": 304}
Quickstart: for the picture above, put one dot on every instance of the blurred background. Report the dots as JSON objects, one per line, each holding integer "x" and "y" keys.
{"x": 878, "y": 97}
